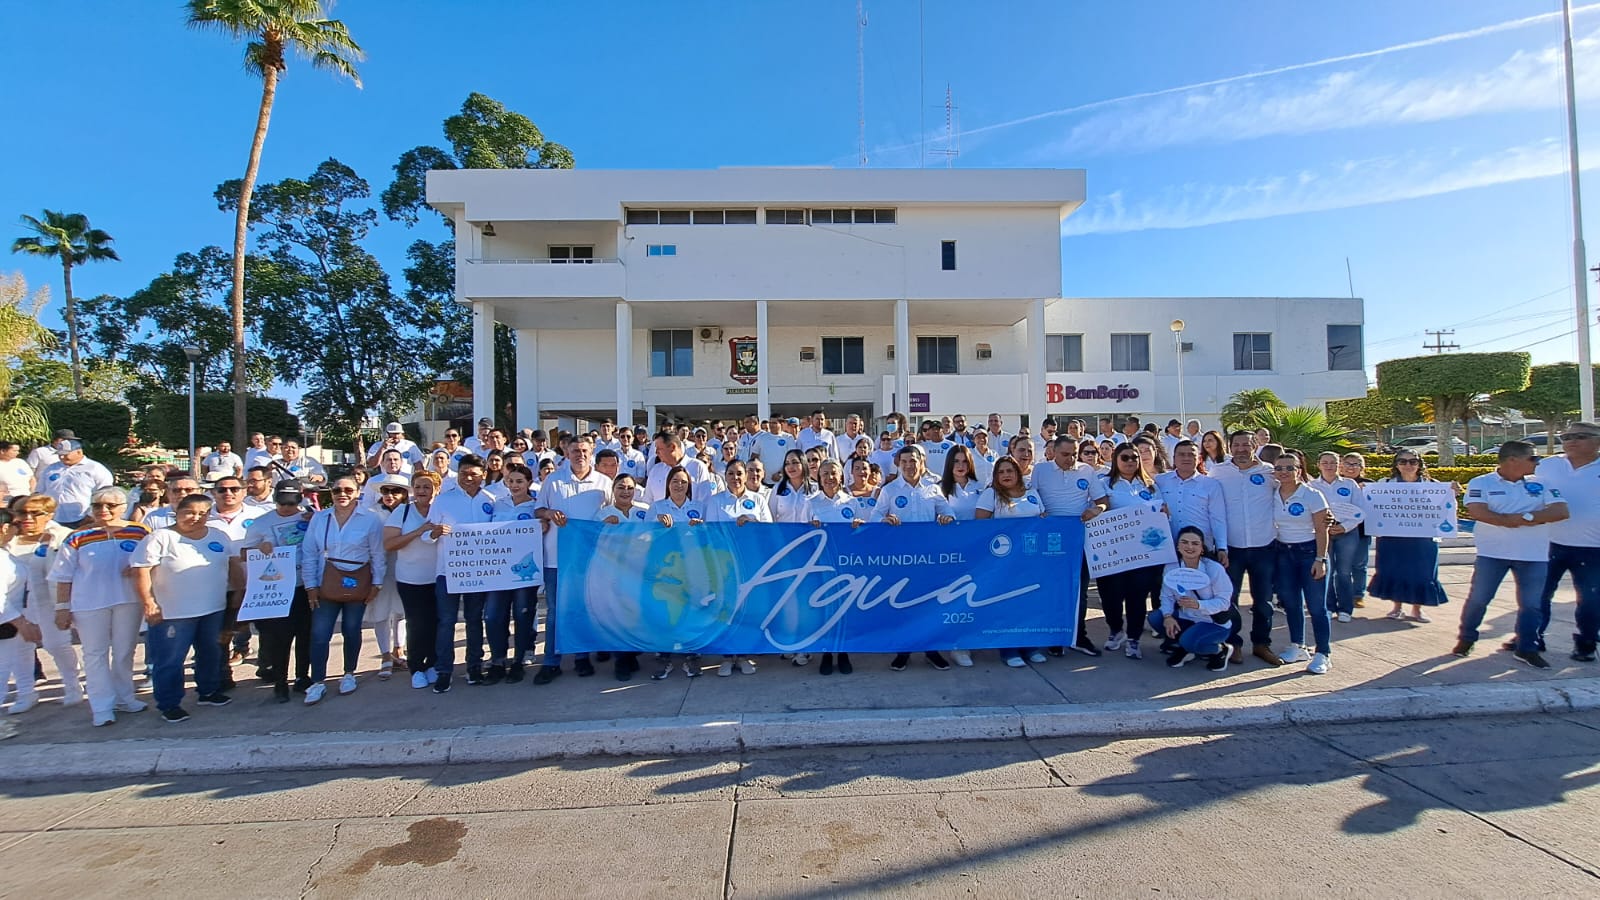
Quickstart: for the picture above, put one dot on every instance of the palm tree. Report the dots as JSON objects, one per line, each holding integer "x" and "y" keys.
{"x": 1241, "y": 407}
{"x": 67, "y": 237}
{"x": 273, "y": 29}
{"x": 22, "y": 418}
{"x": 1303, "y": 428}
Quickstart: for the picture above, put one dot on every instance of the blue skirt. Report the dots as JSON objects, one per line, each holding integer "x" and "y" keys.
{"x": 1408, "y": 572}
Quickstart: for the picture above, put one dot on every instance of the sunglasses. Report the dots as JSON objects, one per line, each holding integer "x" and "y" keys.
{"x": 1406, "y": 462}
{"x": 1579, "y": 436}
{"x": 228, "y": 490}
{"x": 1285, "y": 468}
{"x": 104, "y": 506}
{"x": 392, "y": 491}
{"x": 344, "y": 490}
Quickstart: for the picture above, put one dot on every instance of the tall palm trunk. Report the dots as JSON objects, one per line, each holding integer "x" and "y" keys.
{"x": 241, "y": 232}
{"x": 72, "y": 331}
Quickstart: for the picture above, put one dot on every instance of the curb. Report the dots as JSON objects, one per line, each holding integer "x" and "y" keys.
{"x": 687, "y": 735}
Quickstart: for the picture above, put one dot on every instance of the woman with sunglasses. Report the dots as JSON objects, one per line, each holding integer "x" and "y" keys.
{"x": 1124, "y": 596}
{"x": 35, "y": 540}
{"x": 913, "y": 497}
{"x": 883, "y": 455}
{"x": 343, "y": 543}
{"x": 1300, "y": 520}
{"x": 1089, "y": 455}
{"x": 95, "y": 596}
{"x": 1408, "y": 567}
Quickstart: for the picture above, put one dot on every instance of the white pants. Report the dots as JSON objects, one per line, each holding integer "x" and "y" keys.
{"x": 109, "y": 637}
{"x": 58, "y": 644}
{"x": 16, "y": 662}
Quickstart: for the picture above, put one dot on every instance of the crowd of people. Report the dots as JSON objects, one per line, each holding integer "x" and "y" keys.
{"x": 94, "y": 569}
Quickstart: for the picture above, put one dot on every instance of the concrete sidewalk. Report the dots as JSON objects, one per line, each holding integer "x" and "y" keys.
{"x": 1382, "y": 669}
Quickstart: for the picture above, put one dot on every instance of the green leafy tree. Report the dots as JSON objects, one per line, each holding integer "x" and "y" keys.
{"x": 328, "y": 315}
{"x": 68, "y": 238}
{"x": 484, "y": 135}
{"x": 1244, "y": 405}
{"x": 1303, "y": 428}
{"x": 1374, "y": 412}
{"x": 1452, "y": 382}
{"x": 273, "y": 31}
{"x": 23, "y": 416}
{"x": 1551, "y": 395}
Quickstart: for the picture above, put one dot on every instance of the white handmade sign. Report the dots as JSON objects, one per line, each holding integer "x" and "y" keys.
{"x": 493, "y": 556}
{"x": 1411, "y": 509}
{"x": 269, "y": 583}
{"x": 1128, "y": 538}
{"x": 1184, "y": 580}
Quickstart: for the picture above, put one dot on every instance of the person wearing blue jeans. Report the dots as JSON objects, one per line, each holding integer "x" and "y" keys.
{"x": 551, "y": 664}
{"x": 1300, "y": 521}
{"x": 467, "y": 504}
{"x": 577, "y": 493}
{"x": 1258, "y": 565}
{"x": 1303, "y": 593}
{"x": 1195, "y": 601}
{"x": 170, "y": 643}
{"x": 343, "y": 565}
{"x": 348, "y": 618}
{"x": 502, "y": 610}
{"x": 452, "y": 608}
{"x": 1584, "y": 565}
{"x": 1514, "y": 510}
{"x": 1344, "y": 550}
{"x": 1575, "y": 541}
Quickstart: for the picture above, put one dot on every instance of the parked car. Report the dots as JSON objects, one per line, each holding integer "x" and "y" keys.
{"x": 1425, "y": 445}
{"x": 1546, "y": 442}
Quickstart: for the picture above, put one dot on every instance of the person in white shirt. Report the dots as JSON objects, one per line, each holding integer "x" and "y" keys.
{"x": 999, "y": 439}
{"x": 395, "y": 439}
{"x": 1171, "y": 437}
{"x": 469, "y": 504}
{"x": 1194, "y": 498}
{"x": 258, "y": 488}
{"x": 845, "y": 444}
{"x": 519, "y": 605}
{"x": 913, "y": 497}
{"x": 1514, "y": 510}
{"x": 883, "y": 455}
{"x": 178, "y": 487}
{"x": 297, "y": 465}
{"x": 983, "y": 456}
{"x": 817, "y": 434}
{"x": 258, "y": 454}
{"x": 933, "y": 444}
{"x": 1194, "y": 617}
{"x": 34, "y": 544}
{"x": 771, "y": 445}
{"x": 415, "y": 573}
{"x": 790, "y": 500}
{"x": 832, "y": 502}
{"x": 221, "y": 461}
{"x": 1123, "y": 595}
{"x": 1009, "y": 498}
{"x": 71, "y": 480}
{"x": 960, "y": 485}
{"x": 181, "y": 575}
{"x": 1344, "y": 541}
{"x": 1109, "y": 433}
{"x": 670, "y": 452}
{"x": 391, "y": 470}
{"x": 1248, "y": 490}
{"x": 1575, "y": 541}
{"x": 284, "y": 525}
{"x": 48, "y": 454}
{"x": 1300, "y": 569}
{"x": 17, "y": 647}
{"x": 625, "y": 506}
{"x": 479, "y": 443}
{"x": 343, "y": 543}
{"x": 737, "y": 503}
{"x": 16, "y": 476}
{"x": 575, "y": 493}
{"x": 607, "y": 438}
{"x": 1067, "y": 487}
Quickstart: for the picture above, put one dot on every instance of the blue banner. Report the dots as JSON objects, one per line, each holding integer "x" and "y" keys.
{"x": 722, "y": 588}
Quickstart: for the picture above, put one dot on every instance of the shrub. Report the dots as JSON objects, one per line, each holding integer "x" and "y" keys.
{"x": 94, "y": 421}
{"x": 167, "y": 421}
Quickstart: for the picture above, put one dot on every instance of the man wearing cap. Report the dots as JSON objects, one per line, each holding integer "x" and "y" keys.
{"x": 283, "y": 526}
{"x": 1575, "y": 541}
{"x": 48, "y": 454}
{"x": 817, "y": 434}
{"x": 221, "y": 461}
{"x": 395, "y": 439}
{"x": 479, "y": 443}
{"x": 934, "y": 445}
{"x": 71, "y": 480}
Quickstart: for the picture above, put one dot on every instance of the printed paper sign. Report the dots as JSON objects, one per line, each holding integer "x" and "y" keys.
{"x": 1347, "y": 514}
{"x": 269, "y": 583}
{"x": 1184, "y": 580}
{"x": 1411, "y": 509}
{"x": 1128, "y": 538}
{"x": 493, "y": 556}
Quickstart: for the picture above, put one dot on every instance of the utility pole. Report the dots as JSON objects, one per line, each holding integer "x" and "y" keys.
{"x": 861, "y": 85}
{"x": 1438, "y": 345}
{"x": 1579, "y": 257}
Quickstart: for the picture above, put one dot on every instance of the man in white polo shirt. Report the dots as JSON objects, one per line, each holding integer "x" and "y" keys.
{"x": 1514, "y": 511}
{"x": 395, "y": 439}
{"x": 817, "y": 434}
{"x": 1194, "y": 498}
{"x": 577, "y": 493}
{"x": 71, "y": 480}
{"x": 1067, "y": 487}
{"x": 1249, "y": 493}
{"x": 1575, "y": 541}
{"x": 221, "y": 462}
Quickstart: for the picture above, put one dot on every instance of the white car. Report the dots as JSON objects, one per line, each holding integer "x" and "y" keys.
{"x": 1426, "y": 445}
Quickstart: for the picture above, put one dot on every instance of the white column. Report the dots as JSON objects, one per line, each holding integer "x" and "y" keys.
{"x": 902, "y": 356}
{"x": 650, "y": 418}
{"x": 763, "y": 364}
{"x": 527, "y": 378}
{"x": 483, "y": 361}
{"x": 1034, "y": 403}
{"x": 624, "y": 364}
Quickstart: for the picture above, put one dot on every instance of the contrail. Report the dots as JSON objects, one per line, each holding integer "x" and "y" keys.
{"x": 1296, "y": 67}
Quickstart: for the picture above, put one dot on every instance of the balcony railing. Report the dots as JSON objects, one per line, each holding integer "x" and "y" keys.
{"x": 544, "y": 262}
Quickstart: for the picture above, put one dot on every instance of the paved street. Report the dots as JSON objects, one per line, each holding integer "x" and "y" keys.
{"x": 1475, "y": 807}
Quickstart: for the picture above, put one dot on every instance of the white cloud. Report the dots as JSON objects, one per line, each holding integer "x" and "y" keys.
{"x": 1339, "y": 185}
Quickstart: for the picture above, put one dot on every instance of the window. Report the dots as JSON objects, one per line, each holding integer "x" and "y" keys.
{"x": 672, "y": 353}
{"x": 1252, "y": 351}
{"x": 739, "y": 216}
{"x": 850, "y": 216}
{"x": 1130, "y": 352}
{"x": 1063, "y": 353}
{"x": 708, "y": 217}
{"x": 690, "y": 216}
{"x": 843, "y": 356}
{"x": 786, "y": 217}
{"x": 571, "y": 253}
{"x": 1344, "y": 348}
{"x": 660, "y": 249}
{"x": 674, "y": 217}
{"x": 947, "y": 255}
{"x": 936, "y": 356}
{"x": 643, "y": 217}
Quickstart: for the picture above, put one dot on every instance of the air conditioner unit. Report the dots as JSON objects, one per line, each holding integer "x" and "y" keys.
{"x": 890, "y": 351}
{"x": 808, "y": 354}
{"x": 711, "y": 334}
{"x": 985, "y": 351}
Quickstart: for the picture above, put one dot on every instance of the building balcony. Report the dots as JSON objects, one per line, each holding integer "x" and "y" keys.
{"x": 495, "y": 279}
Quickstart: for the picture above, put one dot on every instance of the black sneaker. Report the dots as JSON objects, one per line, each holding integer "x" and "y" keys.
{"x": 602, "y": 656}
{"x": 442, "y": 685}
{"x": 495, "y": 675}
{"x": 898, "y": 664}
{"x": 1531, "y": 658}
{"x": 514, "y": 673}
{"x": 175, "y": 715}
{"x": 1217, "y": 662}
{"x": 623, "y": 671}
{"x": 1583, "y": 655}
{"x": 1463, "y": 649}
{"x": 217, "y": 699}
{"x": 546, "y": 674}
{"x": 474, "y": 676}
{"x": 1056, "y": 651}
{"x": 280, "y": 693}
{"x": 826, "y": 666}
{"x": 937, "y": 660}
{"x": 1086, "y": 647}
{"x": 301, "y": 685}
{"x": 1178, "y": 657}
{"x": 845, "y": 668}
{"x": 583, "y": 667}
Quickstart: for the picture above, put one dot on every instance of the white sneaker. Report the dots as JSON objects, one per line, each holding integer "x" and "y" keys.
{"x": 1037, "y": 657}
{"x": 1015, "y": 662}
{"x": 23, "y": 704}
{"x": 962, "y": 658}
{"x": 105, "y": 718}
{"x": 419, "y": 680}
{"x": 1116, "y": 642}
{"x": 347, "y": 684}
{"x": 1319, "y": 664}
{"x": 725, "y": 669}
{"x": 1295, "y": 653}
{"x": 315, "y": 692}
{"x": 1132, "y": 650}
{"x": 801, "y": 659}
{"x": 1345, "y": 618}
{"x": 132, "y": 706}
{"x": 747, "y": 667}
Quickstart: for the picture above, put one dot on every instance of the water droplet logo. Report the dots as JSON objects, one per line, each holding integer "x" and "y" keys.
{"x": 41, "y": 550}
{"x": 1344, "y": 492}
{"x": 488, "y": 508}
{"x": 1144, "y": 495}
{"x": 847, "y": 515}
{"x": 1446, "y": 527}
{"x": 347, "y": 582}
{"x": 524, "y": 516}
{"x": 901, "y": 502}
{"x": 638, "y": 514}
{"x": 1000, "y": 545}
{"x": 1083, "y": 484}
{"x": 128, "y": 546}
{"x": 695, "y": 514}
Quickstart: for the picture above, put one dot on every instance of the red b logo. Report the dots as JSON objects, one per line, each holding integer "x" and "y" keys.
{"x": 1053, "y": 394}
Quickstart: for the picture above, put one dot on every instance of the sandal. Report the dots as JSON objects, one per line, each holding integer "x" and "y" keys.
{"x": 1420, "y": 617}
{"x": 385, "y": 670}
{"x": 1396, "y": 615}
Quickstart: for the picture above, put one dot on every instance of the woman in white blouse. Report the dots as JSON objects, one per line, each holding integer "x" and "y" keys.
{"x": 1193, "y": 610}
{"x": 913, "y": 497}
{"x": 1008, "y": 498}
{"x": 790, "y": 500}
{"x": 1124, "y": 595}
{"x": 343, "y": 543}
{"x": 34, "y": 542}
{"x": 415, "y": 567}
{"x": 960, "y": 483}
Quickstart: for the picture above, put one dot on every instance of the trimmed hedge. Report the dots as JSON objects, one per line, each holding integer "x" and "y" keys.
{"x": 1459, "y": 474}
{"x": 167, "y": 421}
{"x": 1385, "y": 461}
{"x": 94, "y": 421}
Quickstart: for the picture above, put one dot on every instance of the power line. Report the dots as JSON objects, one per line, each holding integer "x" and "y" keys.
{"x": 1544, "y": 341}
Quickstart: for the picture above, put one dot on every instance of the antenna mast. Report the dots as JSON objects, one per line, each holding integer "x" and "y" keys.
{"x": 861, "y": 84}
{"x": 952, "y": 146}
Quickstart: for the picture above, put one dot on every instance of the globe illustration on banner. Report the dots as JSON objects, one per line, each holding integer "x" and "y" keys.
{"x": 687, "y": 598}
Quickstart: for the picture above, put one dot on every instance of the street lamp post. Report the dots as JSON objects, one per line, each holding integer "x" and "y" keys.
{"x": 193, "y": 353}
{"x": 1177, "y": 343}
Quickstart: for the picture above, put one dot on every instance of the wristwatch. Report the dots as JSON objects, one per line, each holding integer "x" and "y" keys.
{"x": 1527, "y": 517}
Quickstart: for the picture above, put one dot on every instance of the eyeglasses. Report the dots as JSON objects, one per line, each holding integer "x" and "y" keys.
{"x": 344, "y": 490}
{"x": 1579, "y": 436}
{"x": 274, "y": 443}
{"x": 395, "y": 490}
{"x": 104, "y": 506}
{"x": 1406, "y": 462}
{"x": 1285, "y": 468}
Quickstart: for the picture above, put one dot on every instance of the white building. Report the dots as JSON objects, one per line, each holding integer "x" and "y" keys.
{"x": 863, "y": 290}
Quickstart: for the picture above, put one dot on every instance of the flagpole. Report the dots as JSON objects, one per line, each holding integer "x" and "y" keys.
{"x": 1580, "y": 268}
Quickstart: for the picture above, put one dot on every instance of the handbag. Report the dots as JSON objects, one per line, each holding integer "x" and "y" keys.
{"x": 339, "y": 585}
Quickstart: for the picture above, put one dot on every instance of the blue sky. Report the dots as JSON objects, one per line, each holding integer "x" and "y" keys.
{"x": 1429, "y": 153}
